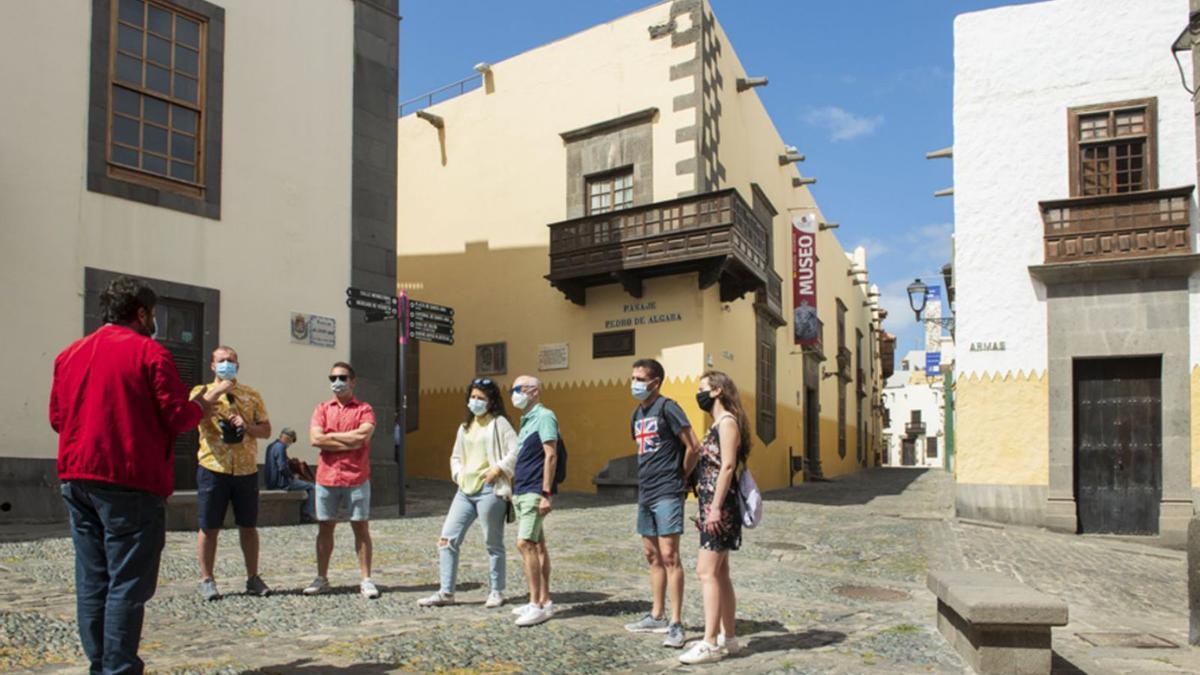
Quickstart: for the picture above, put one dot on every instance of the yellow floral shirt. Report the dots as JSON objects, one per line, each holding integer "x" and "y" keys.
{"x": 238, "y": 459}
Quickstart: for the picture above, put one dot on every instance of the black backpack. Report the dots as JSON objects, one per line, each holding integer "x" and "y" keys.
{"x": 560, "y": 465}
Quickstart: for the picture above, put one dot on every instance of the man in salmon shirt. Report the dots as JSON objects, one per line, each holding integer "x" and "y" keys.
{"x": 117, "y": 404}
{"x": 341, "y": 427}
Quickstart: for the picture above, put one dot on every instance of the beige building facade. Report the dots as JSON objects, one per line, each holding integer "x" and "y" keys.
{"x": 623, "y": 193}
{"x": 176, "y": 141}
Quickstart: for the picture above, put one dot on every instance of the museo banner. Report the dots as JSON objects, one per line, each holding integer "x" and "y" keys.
{"x": 805, "y": 327}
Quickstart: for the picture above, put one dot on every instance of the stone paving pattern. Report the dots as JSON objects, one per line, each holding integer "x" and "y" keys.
{"x": 832, "y": 582}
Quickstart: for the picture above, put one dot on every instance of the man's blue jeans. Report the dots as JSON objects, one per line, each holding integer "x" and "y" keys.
{"x": 308, "y": 509}
{"x": 463, "y": 511}
{"x": 119, "y": 535}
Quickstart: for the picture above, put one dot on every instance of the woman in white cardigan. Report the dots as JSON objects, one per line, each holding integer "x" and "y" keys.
{"x": 482, "y": 464}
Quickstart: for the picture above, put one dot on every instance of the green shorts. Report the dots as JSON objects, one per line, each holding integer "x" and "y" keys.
{"x": 529, "y": 520}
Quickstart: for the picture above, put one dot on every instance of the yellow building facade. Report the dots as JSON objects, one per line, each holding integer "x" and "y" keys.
{"x": 617, "y": 194}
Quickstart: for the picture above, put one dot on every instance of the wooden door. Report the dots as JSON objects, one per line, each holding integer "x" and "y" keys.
{"x": 1118, "y": 444}
{"x": 812, "y": 439}
{"x": 908, "y": 452}
{"x": 181, "y": 331}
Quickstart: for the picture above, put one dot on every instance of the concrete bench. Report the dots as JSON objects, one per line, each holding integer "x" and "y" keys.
{"x": 997, "y": 624}
{"x": 275, "y": 507}
{"x": 619, "y": 479}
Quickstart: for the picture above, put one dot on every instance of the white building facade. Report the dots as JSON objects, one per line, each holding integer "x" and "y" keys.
{"x": 915, "y": 422}
{"x": 244, "y": 167}
{"x": 1074, "y": 167}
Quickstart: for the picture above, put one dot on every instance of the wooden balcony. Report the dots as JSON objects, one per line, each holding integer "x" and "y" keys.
{"x": 817, "y": 349}
{"x": 1118, "y": 226}
{"x": 715, "y": 234}
{"x": 768, "y": 300}
{"x": 843, "y": 364}
{"x": 887, "y": 354}
{"x": 914, "y": 429}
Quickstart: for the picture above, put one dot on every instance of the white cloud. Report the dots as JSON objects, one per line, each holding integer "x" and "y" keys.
{"x": 900, "y": 322}
{"x": 875, "y": 247}
{"x": 893, "y": 296}
{"x": 930, "y": 243}
{"x": 919, "y": 78}
{"x": 843, "y": 125}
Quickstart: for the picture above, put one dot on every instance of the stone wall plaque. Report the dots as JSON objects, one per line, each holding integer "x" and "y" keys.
{"x": 553, "y": 356}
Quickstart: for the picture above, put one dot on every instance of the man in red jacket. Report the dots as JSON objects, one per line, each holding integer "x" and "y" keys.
{"x": 117, "y": 404}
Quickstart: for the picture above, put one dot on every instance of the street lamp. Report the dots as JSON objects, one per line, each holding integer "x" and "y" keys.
{"x": 916, "y": 297}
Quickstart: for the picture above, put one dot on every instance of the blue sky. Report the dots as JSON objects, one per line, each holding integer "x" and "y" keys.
{"x": 862, "y": 87}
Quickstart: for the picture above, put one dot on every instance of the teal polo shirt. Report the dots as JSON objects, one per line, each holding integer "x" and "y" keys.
{"x": 538, "y": 426}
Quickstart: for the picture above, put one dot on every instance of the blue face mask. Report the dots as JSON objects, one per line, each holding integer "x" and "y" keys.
{"x": 477, "y": 406}
{"x": 226, "y": 370}
{"x": 641, "y": 390}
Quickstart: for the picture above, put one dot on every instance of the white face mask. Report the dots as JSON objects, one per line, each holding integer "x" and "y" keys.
{"x": 477, "y": 406}
{"x": 520, "y": 400}
{"x": 339, "y": 386}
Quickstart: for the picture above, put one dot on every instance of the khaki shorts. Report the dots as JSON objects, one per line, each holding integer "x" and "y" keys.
{"x": 529, "y": 520}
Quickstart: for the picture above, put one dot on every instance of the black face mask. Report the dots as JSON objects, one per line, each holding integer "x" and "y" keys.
{"x": 705, "y": 400}
{"x": 150, "y": 330}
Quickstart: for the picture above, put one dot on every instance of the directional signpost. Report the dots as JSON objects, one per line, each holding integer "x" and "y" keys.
{"x": 372, "y": 302}
{"x": 421, "y": 321}
{"x": 430, "y": 323}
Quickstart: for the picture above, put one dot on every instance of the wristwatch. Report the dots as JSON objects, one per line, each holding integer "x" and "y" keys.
{"x": 545, "y": 494}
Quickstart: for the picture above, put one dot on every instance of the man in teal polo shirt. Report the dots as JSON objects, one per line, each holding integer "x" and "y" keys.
{"x": 533, "y": 487}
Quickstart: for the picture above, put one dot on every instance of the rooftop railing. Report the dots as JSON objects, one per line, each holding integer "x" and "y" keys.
{"x": 445, "y": 93}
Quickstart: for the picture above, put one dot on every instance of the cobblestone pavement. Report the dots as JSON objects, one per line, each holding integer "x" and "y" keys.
{"x": 832, "y": 582}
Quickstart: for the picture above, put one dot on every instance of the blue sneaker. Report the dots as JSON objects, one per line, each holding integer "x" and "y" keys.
{"x": 648, "y": 624}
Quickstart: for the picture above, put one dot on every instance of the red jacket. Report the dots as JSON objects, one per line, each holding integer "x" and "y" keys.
{"x": 117, "y": 404}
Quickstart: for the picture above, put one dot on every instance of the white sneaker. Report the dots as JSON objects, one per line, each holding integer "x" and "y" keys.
{"x": 535, "y": 615}
{"x": 318, "y": 585}
{"x": 368, "y": 589}
{"x": 521, "y": 609}
{"x": 730, "y": 646}
{"x": 438, "y": 599}
{"x": 494, "y": 600}
{"x": 701, "y": 652}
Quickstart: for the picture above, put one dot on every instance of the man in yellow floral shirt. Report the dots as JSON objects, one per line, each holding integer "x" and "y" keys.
{"x": 228, "y": 473}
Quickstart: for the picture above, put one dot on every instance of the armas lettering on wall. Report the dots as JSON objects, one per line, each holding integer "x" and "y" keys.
{"x": 988, "y": 346}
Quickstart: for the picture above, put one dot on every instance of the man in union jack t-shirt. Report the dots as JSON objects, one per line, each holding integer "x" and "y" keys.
{"x": 667, "y": 451}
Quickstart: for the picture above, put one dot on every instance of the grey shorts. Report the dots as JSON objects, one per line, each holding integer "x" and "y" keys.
{"x": 331, "y": 501}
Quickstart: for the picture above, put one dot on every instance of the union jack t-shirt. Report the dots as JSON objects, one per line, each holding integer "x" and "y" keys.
{"x": 656, "y": 431}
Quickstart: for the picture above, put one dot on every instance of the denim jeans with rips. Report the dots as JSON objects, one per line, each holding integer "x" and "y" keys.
{"x": 463, "y": 511}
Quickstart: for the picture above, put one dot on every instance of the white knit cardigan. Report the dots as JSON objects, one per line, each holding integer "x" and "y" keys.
{"x": 501, "y": 452}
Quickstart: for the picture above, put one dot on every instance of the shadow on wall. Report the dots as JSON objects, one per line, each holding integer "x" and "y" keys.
{"x": 855, "y": 488}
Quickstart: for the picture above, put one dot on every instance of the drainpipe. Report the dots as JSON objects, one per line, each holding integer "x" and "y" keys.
{"x": 1193, "y": 540}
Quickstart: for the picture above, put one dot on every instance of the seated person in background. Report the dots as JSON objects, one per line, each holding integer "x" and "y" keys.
{"x": 301, "y": 469}
{"x": 283, "y": 473}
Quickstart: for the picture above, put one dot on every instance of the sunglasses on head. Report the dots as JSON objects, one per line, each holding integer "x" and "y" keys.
{"x": 339, "y": 378}
{"x": 481, "y": 381}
